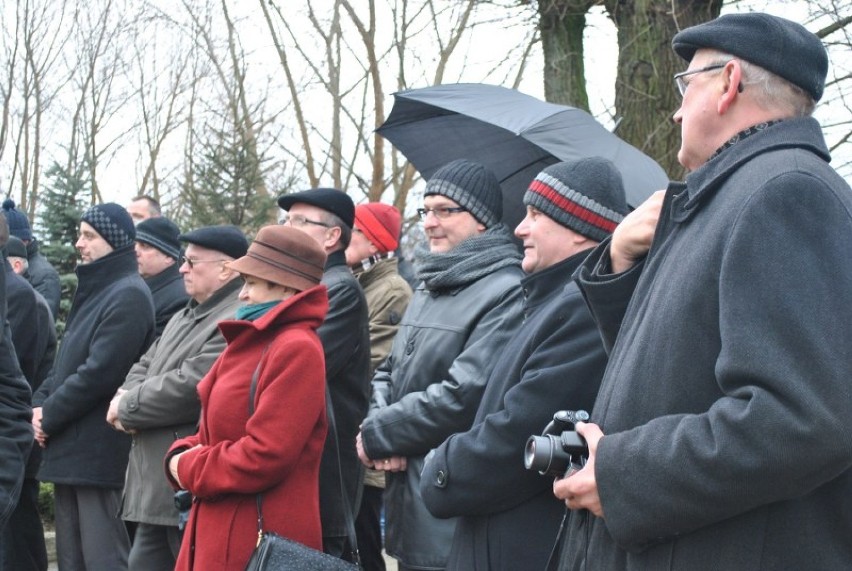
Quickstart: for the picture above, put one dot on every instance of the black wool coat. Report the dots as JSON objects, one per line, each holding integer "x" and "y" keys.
{"x": 169, "y": 295}
{"x": 509, "y": 516}
{"x": 110, "y": 326}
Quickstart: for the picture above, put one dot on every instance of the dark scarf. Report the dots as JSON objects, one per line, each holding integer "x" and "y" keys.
{"x": 254, "y": 311}
{"x": 745, "y": 133}
{"x": 475, "y": 257}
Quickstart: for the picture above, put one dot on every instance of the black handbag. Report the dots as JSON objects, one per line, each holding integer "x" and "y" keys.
{"x": 276, "y": 553}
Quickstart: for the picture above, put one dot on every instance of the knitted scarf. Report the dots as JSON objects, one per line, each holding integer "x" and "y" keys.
{"x": 473, "y": 258}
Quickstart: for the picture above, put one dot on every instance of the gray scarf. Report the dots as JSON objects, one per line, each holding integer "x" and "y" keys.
{"x": 475, "y": 257}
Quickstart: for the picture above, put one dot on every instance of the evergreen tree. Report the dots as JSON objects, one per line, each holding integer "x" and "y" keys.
{"x": 63, "y": 202}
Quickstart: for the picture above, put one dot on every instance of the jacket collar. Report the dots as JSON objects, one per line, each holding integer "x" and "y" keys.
{"x": 800, "y": 133}
{"x": 541, "y": 286}
{"x": 377, "y": 272}
{"x": 309, "y": 306}
{"x": 104, "y": 271}
{"x": 336, "y": 258}
{"x": 225, "y": 293}
{"x": 164, "y": 278}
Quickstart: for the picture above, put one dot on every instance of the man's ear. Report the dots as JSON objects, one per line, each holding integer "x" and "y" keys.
{"x": 332, "y": 238}
{"x": 732, "y": 75}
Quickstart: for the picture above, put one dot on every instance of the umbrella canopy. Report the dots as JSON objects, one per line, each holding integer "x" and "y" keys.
{"x": 513, "y": 134}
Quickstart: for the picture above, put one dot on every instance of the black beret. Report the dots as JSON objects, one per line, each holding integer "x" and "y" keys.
{"x": 15, "y": 247}
{"x": 331, "y": 199}
{"x": 227, "y": 239}
{"x": 783, "y": 47}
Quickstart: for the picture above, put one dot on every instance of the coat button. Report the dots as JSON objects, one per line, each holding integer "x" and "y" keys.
{"x": 441, "y": 478}
{"x": 409, "y": 348}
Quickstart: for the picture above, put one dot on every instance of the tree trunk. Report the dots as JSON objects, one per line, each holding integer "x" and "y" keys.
{"x": 561, "y": 23}
{"x": 645, "y": 96}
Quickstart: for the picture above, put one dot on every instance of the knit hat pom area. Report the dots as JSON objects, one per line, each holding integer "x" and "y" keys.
{"x": 112, "y": 222}
{"x": 19, "y": 225}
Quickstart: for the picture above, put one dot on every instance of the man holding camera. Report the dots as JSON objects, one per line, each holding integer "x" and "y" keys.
{"x": 158, "y": 402}
{"x": 509, "y": 519}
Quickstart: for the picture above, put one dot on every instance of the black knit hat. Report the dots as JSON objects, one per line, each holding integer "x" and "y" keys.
{"x": 18, "y": 224}
{"x": 112, "y": 222}
{"x": 783, "y": 47}
{"x": 15, "y": 248}
{"x": 331, "y": 199}
{"x": 472, "y": 186}
{"x": 585, "y": 195}
{"x": 227, "y": 239}
{"x": 160, "y": 233}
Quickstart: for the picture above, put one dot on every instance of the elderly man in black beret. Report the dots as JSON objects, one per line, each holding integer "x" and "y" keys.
{"x": 110, "y": 326}
{"x": 158, "y": 252}
{"x": 158, "y": 402}
{"x": 327, "y": 215}
{"x": 722, "y": 435}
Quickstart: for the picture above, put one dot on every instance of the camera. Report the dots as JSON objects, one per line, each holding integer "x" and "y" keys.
{"x": 559, "y": 450}
{"x": 183, "y": 503}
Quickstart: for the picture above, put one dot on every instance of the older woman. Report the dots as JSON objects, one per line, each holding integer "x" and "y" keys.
{"x": 274, "y": 446}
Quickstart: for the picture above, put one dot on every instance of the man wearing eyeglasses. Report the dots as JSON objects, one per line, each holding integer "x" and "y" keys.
{"x": 158, "y": 252}
{"x": 721, "y": 434}
{"x": 327, "y": 215}
{"x": 466, "y": 308}
{"x": 110, "y": 326}
{"x": 158, "y": 403}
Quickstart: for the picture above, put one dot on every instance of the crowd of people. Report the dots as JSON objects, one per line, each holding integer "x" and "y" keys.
{"x": 206, "y": 388}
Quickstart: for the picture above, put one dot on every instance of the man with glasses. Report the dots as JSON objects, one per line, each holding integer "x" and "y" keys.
{"x": 327, "y": 215}
{"x": 110, "y": 326}
{"x": 158, "y": 402}
{"x": 158, "y": 254}
{"x": 721, "y": 435}
{"x": 467, "y": 307}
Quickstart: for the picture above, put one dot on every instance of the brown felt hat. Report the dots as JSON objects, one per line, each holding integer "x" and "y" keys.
{"x": 285, "y": 256}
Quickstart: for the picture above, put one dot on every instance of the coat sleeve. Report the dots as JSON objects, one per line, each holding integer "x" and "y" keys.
{"x": 482, "y": 470}
{"x": 344, "y": 302}
{"x": 290, "y": 402}
{"x": 16, "y": 433}
{"x": 385, "y": 314}
{"x": 421, "y": 420}
{"x": 781, "y": 427}
{"x": 120, "y": 336}
{"x": 169, "y": 397}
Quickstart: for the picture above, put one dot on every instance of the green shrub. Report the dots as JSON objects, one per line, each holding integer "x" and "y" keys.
{"x": 45, "y": 502}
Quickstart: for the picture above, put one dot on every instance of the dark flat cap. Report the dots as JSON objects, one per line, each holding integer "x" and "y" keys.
{"x": 781, "y": 46}
{"x": 331, "y": 199}
{"x": 227, "y": 239}
{"x": 15, "y": 248}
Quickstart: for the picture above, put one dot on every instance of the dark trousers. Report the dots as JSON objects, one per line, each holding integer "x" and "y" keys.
{"x": 89, "y": 532}
{"x": 155, "y": 547}
{"x": 368, "y": 529}
{"x": 22, "y": 540}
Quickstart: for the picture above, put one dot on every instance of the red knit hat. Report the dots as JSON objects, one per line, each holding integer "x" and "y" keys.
{"x": 380, "y": 223}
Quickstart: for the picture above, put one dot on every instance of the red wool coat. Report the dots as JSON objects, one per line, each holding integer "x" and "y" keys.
{"x": 276, "y": 452}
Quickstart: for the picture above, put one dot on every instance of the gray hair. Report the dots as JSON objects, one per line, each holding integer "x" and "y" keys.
{"x": 345, "y": 231}
{"x": 771, "y": 91}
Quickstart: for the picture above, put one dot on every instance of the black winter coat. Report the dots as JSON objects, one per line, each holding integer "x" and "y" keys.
{"x": 509, "y": 516}
{"x": 110, "y": 325}
{"x": 345, "y": 340}
{"x": 169, "y": 295}
{"x": 43, "y": 277}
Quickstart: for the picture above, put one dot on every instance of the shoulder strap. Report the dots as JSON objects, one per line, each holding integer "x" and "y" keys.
{"x": 252, "y": 391}
{"x": 347, "y": 507}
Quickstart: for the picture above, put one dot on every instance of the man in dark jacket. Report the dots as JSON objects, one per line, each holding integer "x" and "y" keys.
{"x": 327, "y": 214}
{"x": 16, "y": 433}
{"x": 158, "y": 401}
{"x": 509, "y": 518}
{"x": 721, "y": 435}
{"x": 467, "y": 308}
{"x": 110, "y": 325}
{"x": 157, "y": 252}
{"x": 22, "y": 544}
{"x": 40, "y": 273}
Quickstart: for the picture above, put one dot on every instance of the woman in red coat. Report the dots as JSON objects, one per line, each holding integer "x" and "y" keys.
{"x": 275, "y": 450}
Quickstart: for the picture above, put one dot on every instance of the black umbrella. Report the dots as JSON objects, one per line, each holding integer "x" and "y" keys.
{"x": 513, "y": 134}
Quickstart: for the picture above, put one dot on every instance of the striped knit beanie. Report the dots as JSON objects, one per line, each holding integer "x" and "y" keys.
{"x": 472, "y": 186}
{"x": 585, "y": 195}
{"x": 160, "y": 233}
{"x": 380, "y": 223}
{"x": 112, "y": 222}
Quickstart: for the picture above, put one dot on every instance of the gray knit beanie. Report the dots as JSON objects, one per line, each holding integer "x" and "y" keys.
{"x": 160, "y": 233}
{"x": 585, "y": 195}
{"x": 472, "y": 186}
{"x": 112, "y": 222}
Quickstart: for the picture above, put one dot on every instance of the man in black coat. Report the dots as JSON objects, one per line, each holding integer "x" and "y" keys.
{"x": 16, "y": 434}
{"x": 509, "y": 519}
{"x": 22, "y": 544}
{"x": 158, "y": 252}
{"x": 327, "y": 215}
{"x": 110, "y": 325}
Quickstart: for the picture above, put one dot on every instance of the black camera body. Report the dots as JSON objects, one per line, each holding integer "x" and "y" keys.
{"x": 559, "y": 450}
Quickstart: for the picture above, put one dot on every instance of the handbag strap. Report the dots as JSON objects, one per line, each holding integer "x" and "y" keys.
{"x": 347, "y": 507}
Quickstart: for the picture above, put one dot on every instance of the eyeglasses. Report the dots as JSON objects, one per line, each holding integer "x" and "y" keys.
{"x": 298, "y": 220}
{"x": 191, "y": 263}
{"x": 440, "y": 212}
{"x": 682, "y": 84}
